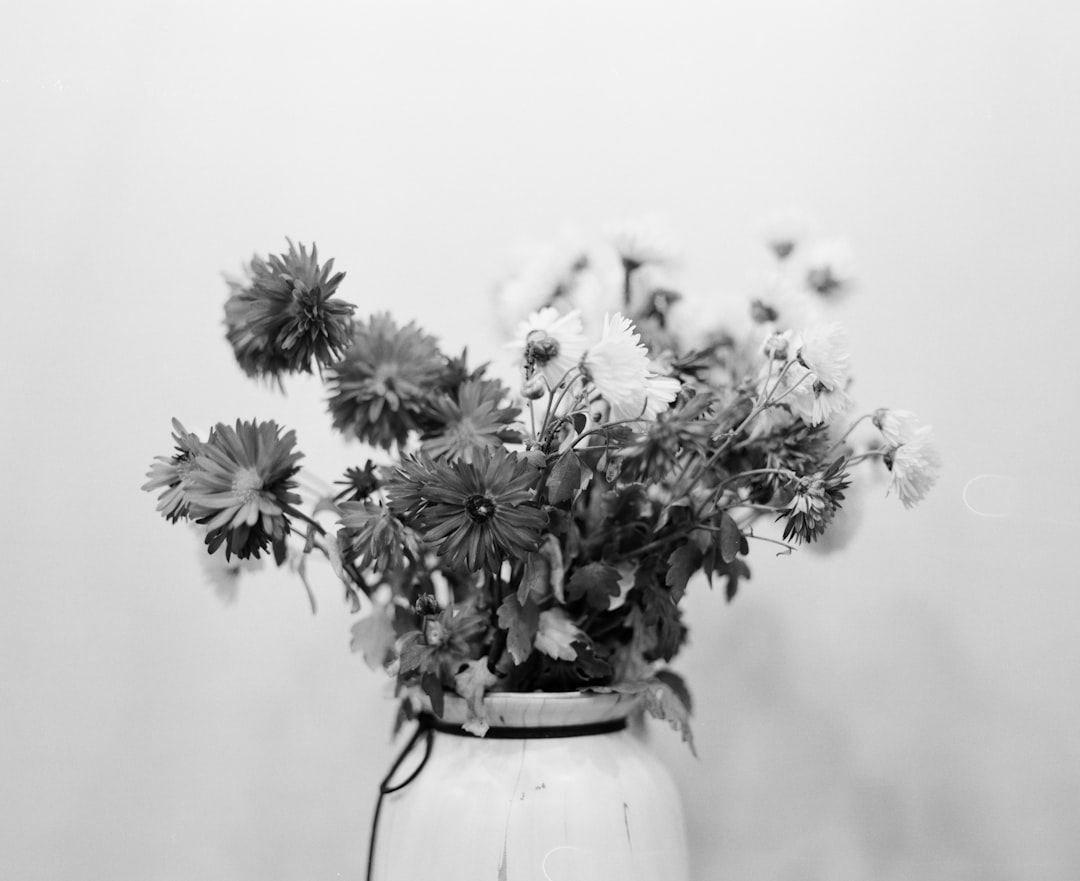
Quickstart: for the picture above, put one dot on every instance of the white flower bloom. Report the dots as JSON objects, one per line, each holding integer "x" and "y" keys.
{"x": 811, "y": 400}
{"x": 828, "y": 266}
{"x": 556, "y": 634}
{"x": 544, "y": 273}
{"x": 619, "y": 370}
{"x": 823, "y": 351}
{"x": 915, "y": 466}
{"x": 644, "y": 240}
{"x": 897, "y": 426}
{"x": 550, "y": 343}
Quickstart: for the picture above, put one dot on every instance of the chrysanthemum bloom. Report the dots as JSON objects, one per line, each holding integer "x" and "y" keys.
{"x": 473, "y": 418}
{"x": 240, "y": 488}
{"x": 550, "y": 344}
{"x": 476, "y": 513}
{"x": 814, "y": 501}
{"x": 168, "y": 473}
{"x": 618, "y": 370}
{"x": 556, "y": 635}
{"x": 815, "y": 386}
{"x": 379, "y": 390}
{"x": 823, "y": 350}
{"x": 915, "y": 465}
{"x": 545, "y": 273}
{"x": 284, "y": 317}
{"x": 897, "y": 426}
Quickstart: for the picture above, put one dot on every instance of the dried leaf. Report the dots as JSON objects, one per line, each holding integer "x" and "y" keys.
{"x": 521, "y": 622}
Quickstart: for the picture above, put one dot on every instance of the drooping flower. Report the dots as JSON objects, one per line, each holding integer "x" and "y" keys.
{"x": 619, "y": 371}
{"x": 910, "y": 454}
{"x": 476, "y": 513}
{"x": 915, "y": 465}
{"x": 380, "y": 389}
{"x": 814, "y": 501}
{"x": 240, "y": 488}
{"x": 823, "y": 350}
{"x": 550, "y": 344}
{"x": 283, "y": 317}
{"x": 474, "y": 418}
{"x": 168, "y": 473}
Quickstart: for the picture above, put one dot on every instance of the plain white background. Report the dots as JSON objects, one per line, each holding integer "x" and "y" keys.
{"x": 905, "y": 708}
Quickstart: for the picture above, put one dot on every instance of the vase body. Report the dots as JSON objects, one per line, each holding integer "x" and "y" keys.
{"x": 585, "y": 807}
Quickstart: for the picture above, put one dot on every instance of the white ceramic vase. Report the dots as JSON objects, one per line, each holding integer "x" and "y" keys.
{"x": 559, "y": 790}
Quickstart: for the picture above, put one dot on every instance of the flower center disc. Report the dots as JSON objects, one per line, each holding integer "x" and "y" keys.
{"x": 480, "y": 508}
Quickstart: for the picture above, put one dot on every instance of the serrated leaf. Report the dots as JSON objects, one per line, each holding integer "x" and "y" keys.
{"x": 543, "y": 573}
{"x": 678, "y": 685}
{"x": 373, "y": 636}
{"x": 565, "y": 479}
{"x": 662, "y": 702}
{"x": 597, "y": 582}
{"x": 731, "y": 538}
{"x": 682, "y": 563}
{"x": 521, "y": 622}
{"x": 433, "y": 688}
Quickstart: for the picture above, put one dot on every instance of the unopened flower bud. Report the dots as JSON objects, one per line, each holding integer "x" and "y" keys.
{"x": 426, "y": 605}
{"x": 534, "y": 387}
{"x": 776, "y": 346}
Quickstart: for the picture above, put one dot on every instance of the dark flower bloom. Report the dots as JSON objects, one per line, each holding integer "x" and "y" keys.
{"x": 372, "y": 536}
{"x": 476, "y": 513}
{"x": 168, "y": 472}
{"x": 240, "y": 488}
{"x": 359, "y": 483}
{"x": 814, "y": 502}
{"x": 380, "y": 389}
{"x": 447, "y": 640}
{"x": 283, "y": 317}
{"x": 472, "y": 419}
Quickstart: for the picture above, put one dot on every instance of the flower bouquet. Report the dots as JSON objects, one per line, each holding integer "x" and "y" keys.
{"x": 533, "y": 526}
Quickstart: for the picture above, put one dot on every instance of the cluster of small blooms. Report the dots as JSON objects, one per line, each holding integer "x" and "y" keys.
{"x": 542, "y": 537}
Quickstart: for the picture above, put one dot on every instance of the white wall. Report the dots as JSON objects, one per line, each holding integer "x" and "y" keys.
{"x": 904, "y": 709}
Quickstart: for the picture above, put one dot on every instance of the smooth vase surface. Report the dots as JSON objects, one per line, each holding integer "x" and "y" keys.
{"x": 531, "y": 802}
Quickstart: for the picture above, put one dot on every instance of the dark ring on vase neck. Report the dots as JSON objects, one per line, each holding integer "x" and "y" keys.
{"x": 521, "y": 732}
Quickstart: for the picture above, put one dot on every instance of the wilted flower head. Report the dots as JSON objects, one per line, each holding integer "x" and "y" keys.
{"x": 240, "y": 488}
{"x": 380, "y": 389}
{"x": 282, "y": 317}
{"x": 814, "y": 501}
{"x": 372, "y": 536}
{"x": 618, "y": 369}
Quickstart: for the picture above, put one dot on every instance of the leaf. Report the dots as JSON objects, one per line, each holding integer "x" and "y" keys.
{"x": 565, "y": 479}
{"x": 373, "y": 636}
{"x": 471, "y": 682}
{"x": 664, "y": 703}
{"x": 433, "y": 688}
{"x": 678, "y": 685}
{"x": 521, "y": 622}
{"x": 597, "y": 582}
{"x": 731, "y": 538}
{"x": 736, "y": 571}
{"x": 682, "y": 563}
{"x": 543, "y": 572}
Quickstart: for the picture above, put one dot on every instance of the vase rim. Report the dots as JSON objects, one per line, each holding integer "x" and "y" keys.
{"x": 532, "y": 709}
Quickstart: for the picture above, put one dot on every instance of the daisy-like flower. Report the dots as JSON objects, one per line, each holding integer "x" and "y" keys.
{"x": 817, "y": 382}
{"x": 910, "y": 454}
{"x": 168, "y": 474}
{"x": 240, "y": 488}
{"x": 824, "y": 352}
{"x": 472, "y": 419}
{"x": 556, "y": 635}
{"x": 476, "y": 513}
{"x": 619, "y": 371}
{"x": 545, "y": 274}
{"x": 283, "y": 316}
{"x": 814, "y": 501}
{"x": 380, "y": 389}
{"x": 550, "y": 344}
